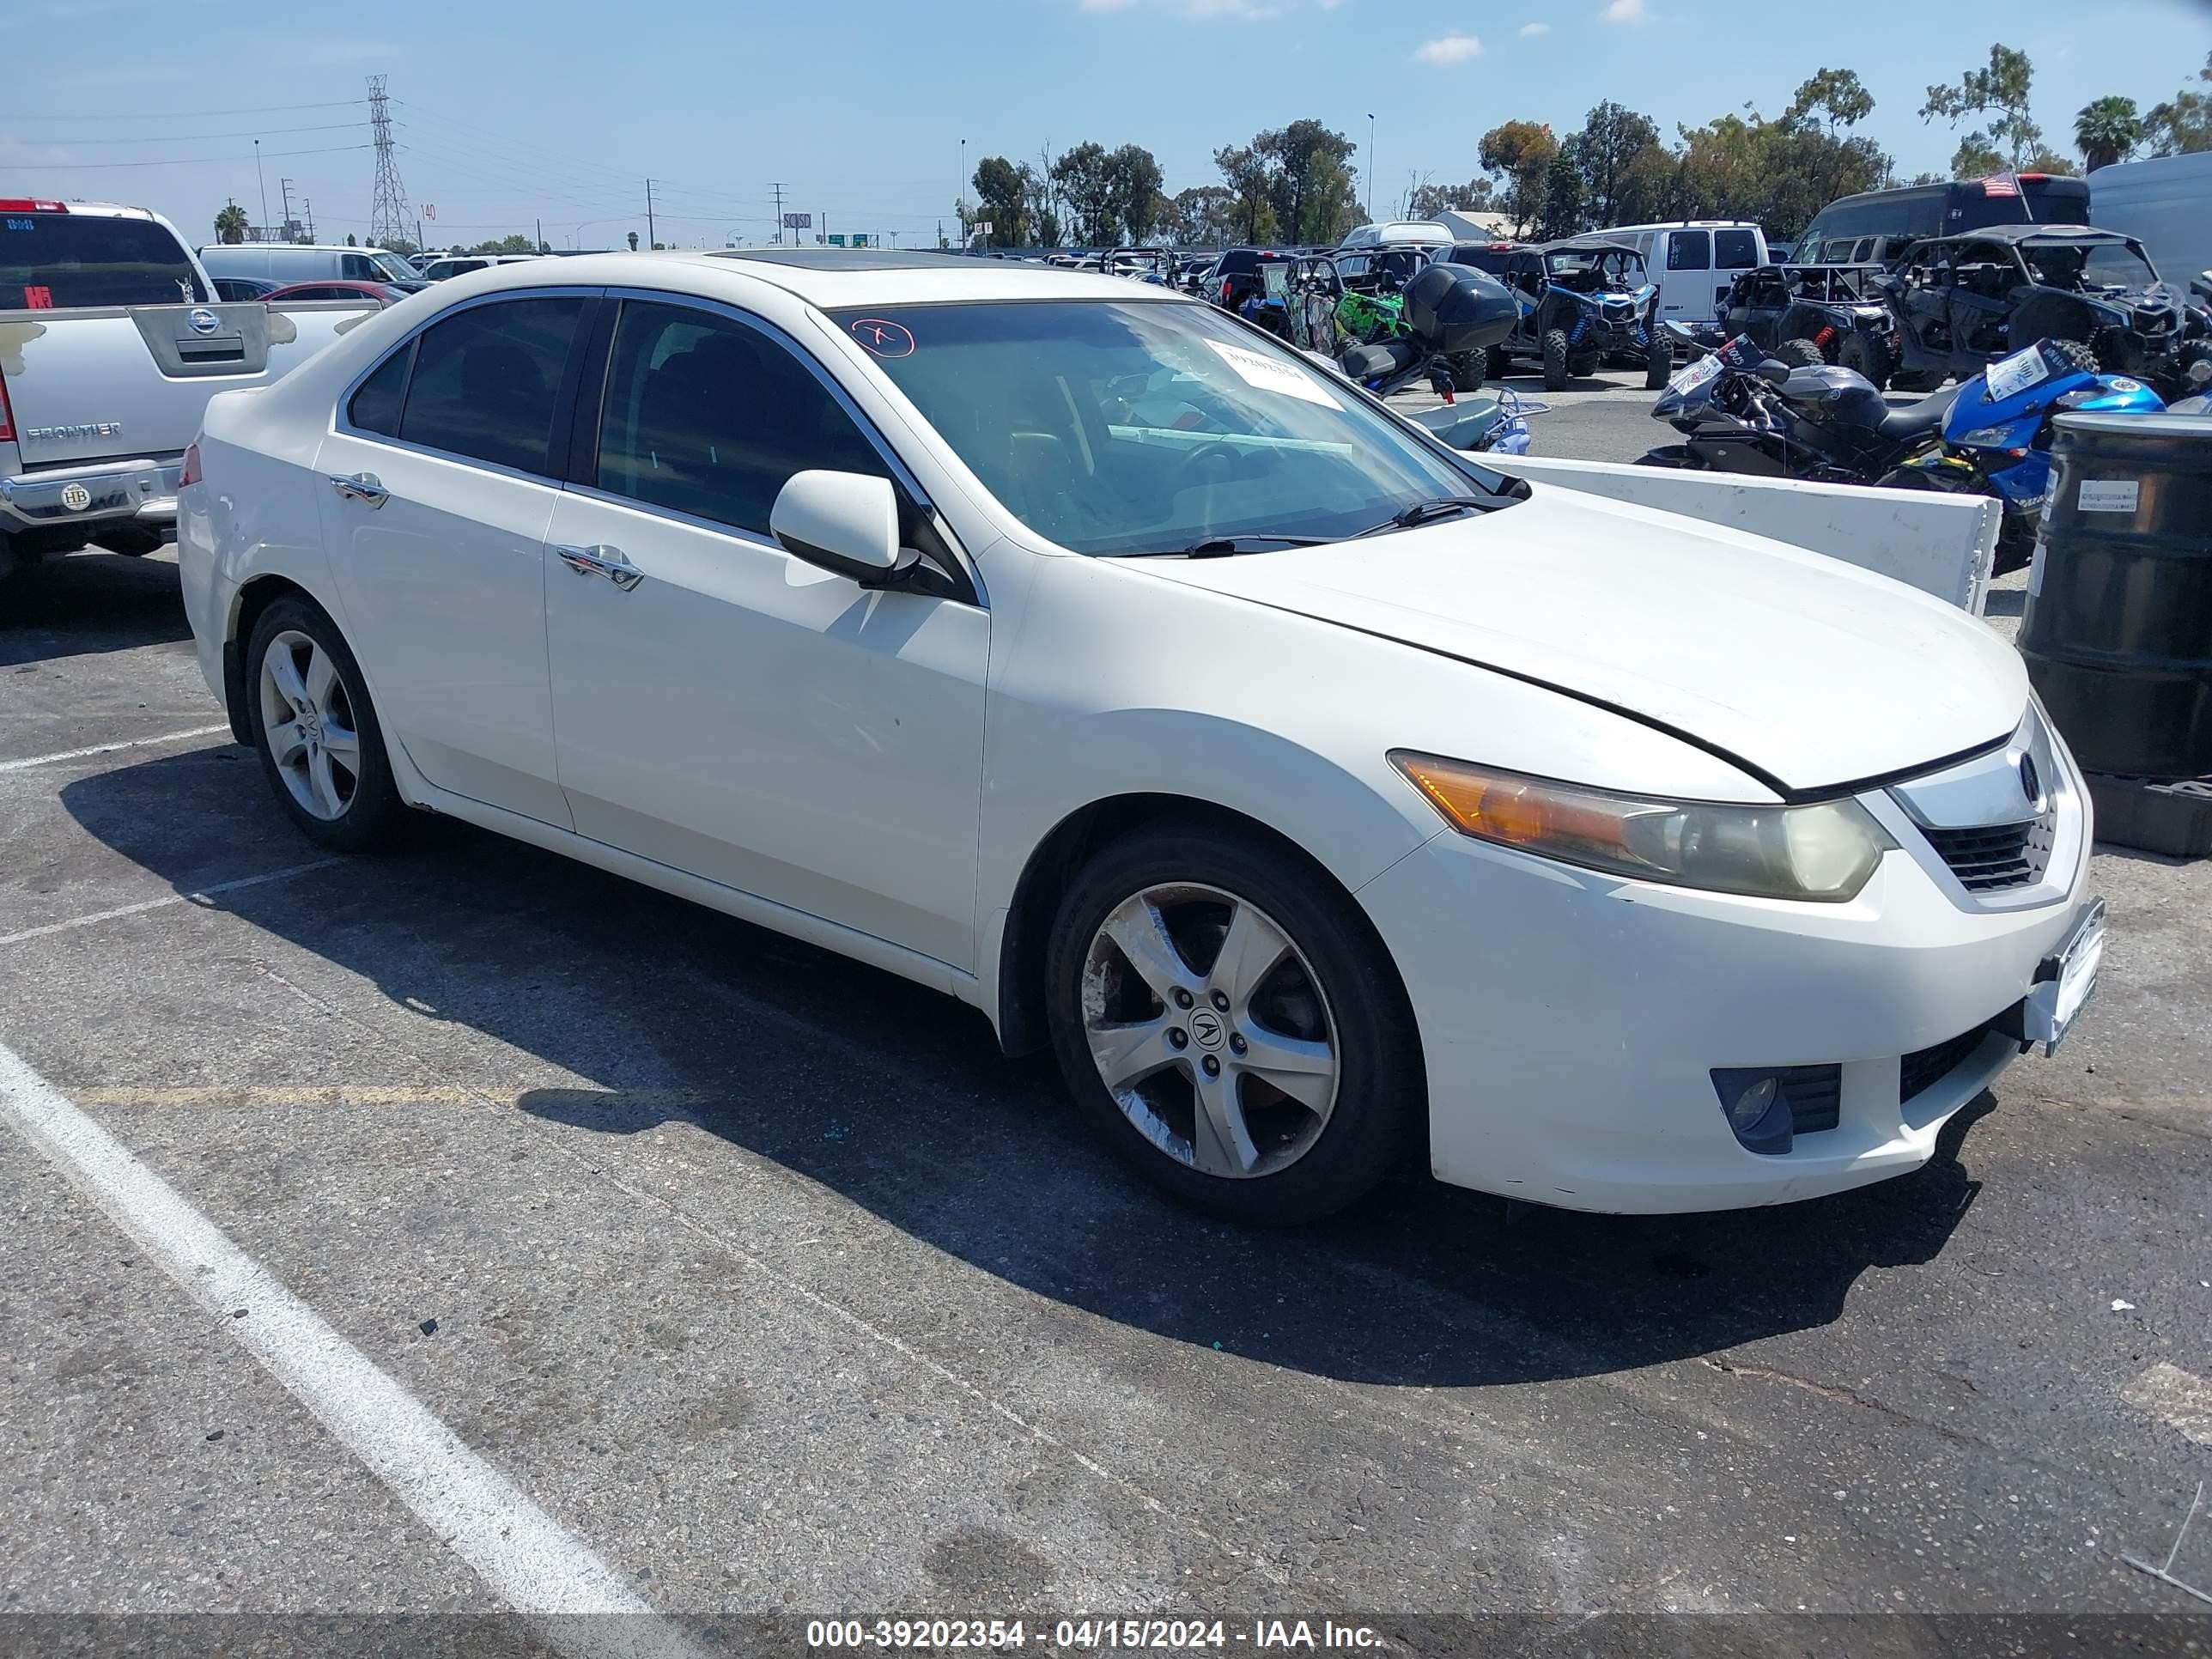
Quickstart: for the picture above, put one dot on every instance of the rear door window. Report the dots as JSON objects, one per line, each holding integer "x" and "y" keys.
{"x": 52, "y": 261}
{"x": 486, "y": 381}
{"x": 1735, "y": 250}
{"x": 1689, "y": 249}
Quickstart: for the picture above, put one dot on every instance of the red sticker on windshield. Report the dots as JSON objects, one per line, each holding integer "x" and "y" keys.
{"x": 885, "y": 339}
{"x": 41, "y": 298}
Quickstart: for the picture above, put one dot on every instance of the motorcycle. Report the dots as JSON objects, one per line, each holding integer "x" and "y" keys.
{"x": 1742, "y": 412}
{"x": 1450, "y": 313}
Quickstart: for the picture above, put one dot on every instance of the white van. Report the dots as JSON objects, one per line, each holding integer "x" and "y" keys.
{"x": 1397, "y": 232}
{"x": 286, "y": 262}
{"x": 1693, "y": 261}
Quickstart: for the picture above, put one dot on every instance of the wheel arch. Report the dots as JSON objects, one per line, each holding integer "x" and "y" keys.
{"x": 254, "y": 596}
{"x": 1025, "y": 933}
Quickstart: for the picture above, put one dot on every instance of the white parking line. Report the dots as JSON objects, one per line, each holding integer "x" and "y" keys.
{"x": 203, "y": 896}
{"x": 526, "y": 1557}
{"x": 110, "y": 748}
{"x": 2182, "y": 1402}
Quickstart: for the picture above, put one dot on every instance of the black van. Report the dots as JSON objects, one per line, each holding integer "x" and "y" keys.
{"x": 1875, "y": 227}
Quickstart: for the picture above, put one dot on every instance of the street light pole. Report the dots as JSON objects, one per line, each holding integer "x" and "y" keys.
{"x": 263, "y": 182}
{"x": 1370, "y": 166}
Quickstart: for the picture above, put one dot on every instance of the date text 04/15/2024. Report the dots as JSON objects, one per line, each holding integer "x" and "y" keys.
{"x": 1087, "y": 1635}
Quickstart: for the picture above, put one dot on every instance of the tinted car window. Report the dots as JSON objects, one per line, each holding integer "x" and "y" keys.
{"x": 486, "y": 380}
{"x": 706, "y": 417}
{"x": 1735, "y": 250}
{"x": 1493, "y": 260}
{"x": 60, "y": 259}
{"x": 377, "y": 401}
{"x": 1689, "y": 249}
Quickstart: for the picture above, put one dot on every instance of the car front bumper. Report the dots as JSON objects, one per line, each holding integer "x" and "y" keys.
{"x": 1571, "y": 1022}
{"x": 140, "y": 491}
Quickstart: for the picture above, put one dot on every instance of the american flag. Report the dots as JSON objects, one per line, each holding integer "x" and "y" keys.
{"x": 2002, "y": 184}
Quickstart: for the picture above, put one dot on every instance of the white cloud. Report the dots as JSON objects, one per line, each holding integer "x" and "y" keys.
{"x": 1624, "y": 12}
{"x": 1535, "y": 28}
{"x": 1448, "y": 49}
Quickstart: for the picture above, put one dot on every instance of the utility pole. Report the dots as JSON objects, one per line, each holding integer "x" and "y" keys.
{"x": 651, "y": 240}
{"x": 540, "y": 246}
{"x": 263, "y": 183}
{"x": 284, "y": 192}
{"x": 387, "y": 206}
{"x": 308, "y": 216}
{"x": 1370, "y": 166}
{"x": 778, "y": 189}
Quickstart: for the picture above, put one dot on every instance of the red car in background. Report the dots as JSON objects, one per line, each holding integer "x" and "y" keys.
{"x": 385, "y": 294}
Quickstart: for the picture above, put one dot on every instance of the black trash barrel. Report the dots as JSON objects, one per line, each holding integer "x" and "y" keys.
{"x": 2117, "y": 631}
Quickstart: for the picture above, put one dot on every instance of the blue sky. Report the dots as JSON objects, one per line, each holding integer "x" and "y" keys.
{"x": 560, "y": 110}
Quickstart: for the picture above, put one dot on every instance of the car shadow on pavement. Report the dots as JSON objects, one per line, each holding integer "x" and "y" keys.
{"x": 900, "y": 1100}
{"x": 88, "y": 603}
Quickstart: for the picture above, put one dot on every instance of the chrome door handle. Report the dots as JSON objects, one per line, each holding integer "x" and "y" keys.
{"x": 601, "y": 561}
{"x": 360, "y": 487}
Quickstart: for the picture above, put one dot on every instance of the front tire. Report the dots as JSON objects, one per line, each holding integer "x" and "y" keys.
{"x": 316, "y": 730}
{"x": 1226, "y": 1019}
{"x": 1801, "y": 354}
{"x": 1466, "y": 368}
{"x": 1658, "y": 363}
{"x": 1555, "y": 360}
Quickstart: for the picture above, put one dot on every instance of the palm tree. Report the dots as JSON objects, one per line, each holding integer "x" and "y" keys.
{"x": 230, "y": 224}
{"x": 2107, "y": 131}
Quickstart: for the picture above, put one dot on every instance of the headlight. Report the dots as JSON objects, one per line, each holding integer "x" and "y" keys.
{"x": 1824, "y": 852}
{"x": 1987, "y": 437}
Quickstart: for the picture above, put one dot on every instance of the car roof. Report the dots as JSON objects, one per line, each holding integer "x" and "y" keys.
{"x": 1582, "y": 245}
{"x": 830, "y": 278}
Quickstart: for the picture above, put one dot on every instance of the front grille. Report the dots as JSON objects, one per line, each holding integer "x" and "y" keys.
{"x": 1991, "y": 857}
{"x": 1922, "y": 1071}
{"x": 1815, "y": 1094}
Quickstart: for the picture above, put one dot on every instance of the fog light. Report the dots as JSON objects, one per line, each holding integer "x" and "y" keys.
{"x": 1756, "y": 1107}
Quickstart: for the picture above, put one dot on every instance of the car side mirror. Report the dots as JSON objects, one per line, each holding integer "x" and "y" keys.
{"x": 1773, "y": 371}
{"x": 844, "y": 522}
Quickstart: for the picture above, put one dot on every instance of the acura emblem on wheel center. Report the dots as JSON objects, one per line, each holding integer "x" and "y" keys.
{"x": 1206, "y": 1029}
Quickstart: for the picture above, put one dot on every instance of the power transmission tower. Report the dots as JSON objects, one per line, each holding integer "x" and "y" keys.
{"x": 387, "y": 212}
{"x": 778, "y": 189}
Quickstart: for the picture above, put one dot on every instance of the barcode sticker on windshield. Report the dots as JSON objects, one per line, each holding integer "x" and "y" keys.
{"x": 1266, "y": 375}
{"x": 2109, "y": 495}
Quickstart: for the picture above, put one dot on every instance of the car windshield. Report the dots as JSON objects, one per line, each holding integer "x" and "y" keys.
{"x": 2098, "y": 265}
{"x": 1115, "y": 426}
{"x": 393, "y": 268}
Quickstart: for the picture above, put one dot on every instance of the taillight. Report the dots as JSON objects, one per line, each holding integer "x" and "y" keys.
{"x": 7, "y": 415}
{"x": 191, "y": 472}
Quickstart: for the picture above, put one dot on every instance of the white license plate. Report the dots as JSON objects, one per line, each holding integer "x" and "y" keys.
{"x": 2068, "y": 980}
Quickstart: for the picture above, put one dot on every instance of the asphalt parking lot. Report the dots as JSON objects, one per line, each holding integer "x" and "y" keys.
{"x": 772, "y": 1290}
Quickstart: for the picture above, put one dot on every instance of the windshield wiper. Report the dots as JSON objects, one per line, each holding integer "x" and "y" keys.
{"x": 1422, "y": 512}
{"x": 1221, "y": 547}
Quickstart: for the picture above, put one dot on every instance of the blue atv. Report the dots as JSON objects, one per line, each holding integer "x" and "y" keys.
{"x": 1583, "y": 300}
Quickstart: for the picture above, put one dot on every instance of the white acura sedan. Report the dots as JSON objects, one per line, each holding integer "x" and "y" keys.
{"x": 1068, "y": 645}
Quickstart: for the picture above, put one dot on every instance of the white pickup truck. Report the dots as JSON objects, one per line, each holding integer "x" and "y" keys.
{"x": 111, "y": 342}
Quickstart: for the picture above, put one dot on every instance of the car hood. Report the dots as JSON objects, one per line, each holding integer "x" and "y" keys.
{"x": 1808, "y": 672}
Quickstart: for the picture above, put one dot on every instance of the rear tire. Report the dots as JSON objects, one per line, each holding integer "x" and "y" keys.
{"x": 1331, "y": 1007}
{"x": 1497, "y": 364}
{"x": 2082, "y": 356}
{"x": 1466, "y": 368}
{"x": 133, "y": 543}
{"x": 1658, "y": 363}
{"x": 316, "y": 730}
{"x": 1801, "y": 354}
{"x": 1555, "y": 360}
{"x": 1865, "y": 355}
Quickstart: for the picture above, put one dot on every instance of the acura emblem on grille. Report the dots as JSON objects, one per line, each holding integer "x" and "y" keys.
{"x": 2030, "y": 784}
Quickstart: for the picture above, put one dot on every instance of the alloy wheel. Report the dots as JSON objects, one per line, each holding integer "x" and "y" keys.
{"x": 308, "y": 721}
{"x": 1211, "y": 1029}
